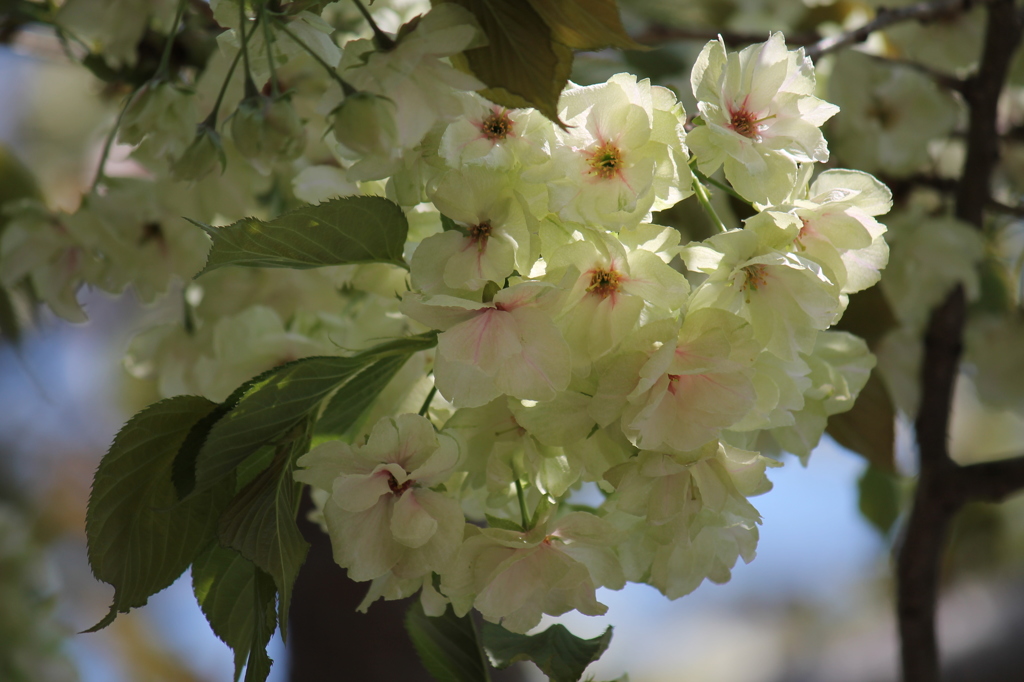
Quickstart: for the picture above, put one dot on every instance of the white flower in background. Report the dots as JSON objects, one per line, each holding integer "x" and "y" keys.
{"x": 759, "y": 117}
{"x": 415, "y": 76}
{"x": 621, "y": 156}
{"x": 382, "y": 515}
{"x": 513, "y": 578}
{"x": 161, "y": 118}
{"x": 928, "y": 257}
{"x": 38, "y": 247}
{"x": 890, "y": 114}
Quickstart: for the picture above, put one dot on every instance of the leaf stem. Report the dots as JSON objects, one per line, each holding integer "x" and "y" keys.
{"x": 100, "y": 175}
{"x": 720, "y": 185}
{"x": 250, "y": 87}
{"x": 165, "y": 58}
{"x": 426, "y": 403}
{"x": 383, "y": 41}
{"x": 274, "y": 88}
{"x": 211, "y": 120}
{"x": 345, "y": 87}
{"x": 527, "y": 521}
{"x": 705, "y": 201}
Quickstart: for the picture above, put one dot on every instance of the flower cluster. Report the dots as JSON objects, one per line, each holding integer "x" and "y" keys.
{"x": 580, "y": 344}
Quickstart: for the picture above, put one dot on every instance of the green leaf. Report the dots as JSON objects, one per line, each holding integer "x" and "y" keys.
{"x": 140, "y": 537}
{"x": 879, "y": 498}
{"x": 560, "y": 654}
{"x": 336, "y": 232}
{"x": 260, "y": 520}
{"x": 585, "y": 24}
{"x": 503, "y": 524}
{"x": 447, "y": 645}
{"x": 355, "y": 397}
{"x": 238, "y": 601}
{"x": 284, "y": 397}
{"x": 522, "y": 64}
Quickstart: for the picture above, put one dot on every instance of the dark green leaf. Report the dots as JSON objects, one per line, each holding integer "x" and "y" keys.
{"x": 238, "y": 601}
{"x": 585, "y": 24}
{"x": 879, "y": 498}
{"x": 560, "y": 654}
{"x": 522, "y": 64}
{"x": 355, "y": 397}
{"x": 260, "y": 520}
{"x": 184, "y": 471}
{"x": 336, "y": 232}
{"x": 140, "y": 537}
{"x": 447, "y": 645}
{"x": 284, "y": 397}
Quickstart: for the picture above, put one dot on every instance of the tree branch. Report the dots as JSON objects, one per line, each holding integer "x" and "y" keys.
{"x": 919, "y": 11}
{"x": 991, "y": 481}
{"x": 656, "y": 34}
{"x": 943, "y": 486}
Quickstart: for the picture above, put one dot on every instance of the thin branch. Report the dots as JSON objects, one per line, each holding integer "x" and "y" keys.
{"x": 991, "y": 481}
{"x": 656, "y": 34}
{"x": 919, "y": 11}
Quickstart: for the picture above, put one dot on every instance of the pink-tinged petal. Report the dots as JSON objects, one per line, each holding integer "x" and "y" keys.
{"x": 484, "y": 341}
{"x": 362, "y": 542}
{"x": 358, "y": 492}
{"x": 440, "y": 462}
{"x": 411, "y": 525}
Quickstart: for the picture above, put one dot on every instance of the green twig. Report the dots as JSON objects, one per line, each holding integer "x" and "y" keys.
{"x": 211, "y": 120}
{"x": 345, "y": 87}
{"x": 100, "y": 175}
{"x": 165, "y": 58}
{"x": 720, "y": 185}
{"x": 426, "y": 403}
{"x": 527, "y": 522}
{"x": 274, "y": 89}
{"x": 250, "y": 87}
{"x": 705, "y": 200}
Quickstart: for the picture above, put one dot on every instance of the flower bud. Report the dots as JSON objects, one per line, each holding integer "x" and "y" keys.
{"x": 205, "y": 152}
{"x": 267, "y": 130}
{"x": 365, "y": 123}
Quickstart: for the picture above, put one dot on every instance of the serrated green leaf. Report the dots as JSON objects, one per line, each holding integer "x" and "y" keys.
{"x": 522, "y": 64}
{"x": 355, "y": 397}
{"x": 184, "y": 470}
{"x": 336, "y": 232}
{"x": 585, "y": 24}
{"x": 238, "y": 601}
{"x": 260, "y": 520}
{"x": 879, "y": 498}
{"x": 140, "y": 537}
{"x": 283, "y": 398}
{"x": 447, "y": 645}
{"x": 560, "y": 654}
